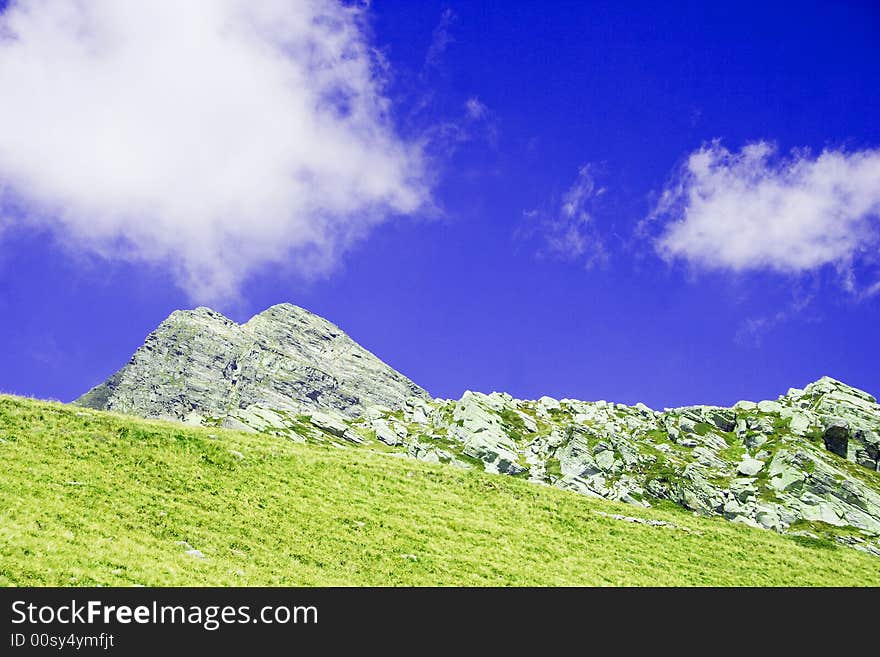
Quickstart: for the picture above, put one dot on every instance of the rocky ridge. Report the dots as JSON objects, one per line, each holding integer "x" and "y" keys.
{"x": 806, "y": 463}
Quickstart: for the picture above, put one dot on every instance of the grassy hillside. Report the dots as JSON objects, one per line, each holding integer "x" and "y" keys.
{"x": 88, "y": 497}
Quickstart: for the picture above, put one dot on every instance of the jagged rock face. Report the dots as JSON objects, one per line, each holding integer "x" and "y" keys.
{"x": 201, "y": 366}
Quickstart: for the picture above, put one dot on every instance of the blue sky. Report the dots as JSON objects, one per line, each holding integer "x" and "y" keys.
{"x": 513, "y": 233}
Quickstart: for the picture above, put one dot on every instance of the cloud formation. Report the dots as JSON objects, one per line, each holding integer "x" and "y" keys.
{"x": 757, "y": 210}
{"x": 569, "y": 232}
{"x": 475, "y": 108}
{"x": 213, "y": 136}
{"x": 441, "y": 37}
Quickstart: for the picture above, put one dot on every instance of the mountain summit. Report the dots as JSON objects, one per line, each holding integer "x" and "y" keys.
{"x": 199, "y": 364}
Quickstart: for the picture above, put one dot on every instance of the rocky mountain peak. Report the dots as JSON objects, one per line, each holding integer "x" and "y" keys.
{"x": 201, "y": 313}
{"x": 200, "y": 364}
{"x": 289, "y": 322}
{"x": 828, "y": 386}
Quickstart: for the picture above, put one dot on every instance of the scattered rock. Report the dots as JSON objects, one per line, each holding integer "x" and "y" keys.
{"x": 749, "y": 467}
{"x": 642, "y": 521}
{"x": 385, "y": 433}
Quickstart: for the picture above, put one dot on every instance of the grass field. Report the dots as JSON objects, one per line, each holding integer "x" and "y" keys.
{"x": 88, "y": 498}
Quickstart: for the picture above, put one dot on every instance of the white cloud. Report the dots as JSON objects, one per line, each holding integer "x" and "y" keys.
{"x": 211, "y": 135}
{"x": 751, "y": 331}
{"x": 475, "y": 108}
{"x": 569, "y": 233}
{"x": 756, "y": 210}
{"x": 441, "y": 37}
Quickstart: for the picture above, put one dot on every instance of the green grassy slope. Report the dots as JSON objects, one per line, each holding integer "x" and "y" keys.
{"x": 89, "y": 498}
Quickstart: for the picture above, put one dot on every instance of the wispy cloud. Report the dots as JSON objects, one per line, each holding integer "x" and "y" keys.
{"x": 443, "y": 131}
{"x": 568, "y": 232}
{"x": 441, "y": 38}
{"x": 475, "y": 123}
{"x": 751, "y": 330}
{"x": 269, "y": 141}
{"x": 873, "y": 290}
{"x": 757, "y": 210}
{"x": 476, "y": 109}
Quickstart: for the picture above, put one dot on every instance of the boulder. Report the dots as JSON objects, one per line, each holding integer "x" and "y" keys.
{"x": 385, "y": 433}
{"x": 749, "y": 467}
{"x": 836, "y": 437}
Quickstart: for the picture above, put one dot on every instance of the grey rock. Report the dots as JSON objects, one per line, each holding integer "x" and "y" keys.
{"x": 749, "y": 467}
{"x": 767, "y": 517}
{"x": 836, "y": 437}
{"x": 724, "y": 419}
{"x": 385, "y": 433}
{"x": 800, "y": 423}
{"x": 605, "y": 459}
{"x": 769, "y": 407}
{"x": 334, "y": 426}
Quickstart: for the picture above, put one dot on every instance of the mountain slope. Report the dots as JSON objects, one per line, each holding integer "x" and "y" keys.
{"x": 804, "y": 463}
{"x": 198, "y": 364}
{"x": 90, "y": 497}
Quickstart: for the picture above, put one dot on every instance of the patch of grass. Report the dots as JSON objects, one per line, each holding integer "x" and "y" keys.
{"x": 702, "y": 428}
{"x": 104, "y": 499}
{"x": 477, "y": 464}
{"x": 826, "y": 533}
{"x": 735, "y": 449}
{"x": 815, "y": 435}
{"x": 657, "y": 435}
{"x": 365, "y": 433}
{"x": 664, "y": 505}
{"x": 514, "y": 425}
{"x": 823, "y": 543}
{"x": 661, "y": 469}
{"x": 553, "y": 468}
{"x": 559, "y": 415}
{"x": 731, "y": 438}
{"x": 528, "y": 410}
{"x": 782, "y": 425}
